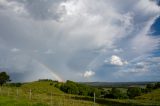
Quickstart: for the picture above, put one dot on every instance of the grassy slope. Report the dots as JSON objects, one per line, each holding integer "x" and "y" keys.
{"x": 154, "y": 95}
{"x": 41, "y": 87}
{"x": 9, "y": 101}
{"x": 152, "y": 98}
{"x": 41, "y": 96}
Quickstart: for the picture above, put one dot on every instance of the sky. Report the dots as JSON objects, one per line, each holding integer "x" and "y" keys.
{"x": 80, "y": 40}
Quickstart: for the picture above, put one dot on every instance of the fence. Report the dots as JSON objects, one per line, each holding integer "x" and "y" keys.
{"x": 50, "y": 98}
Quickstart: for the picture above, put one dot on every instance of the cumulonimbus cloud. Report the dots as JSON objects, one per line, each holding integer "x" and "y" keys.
{"x": 71, "y": 36}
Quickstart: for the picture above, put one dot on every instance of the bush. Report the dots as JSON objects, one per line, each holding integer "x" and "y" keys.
{"x": 91, "y": 92}
{"x": 149, "y": 87}
{"x": 4, "y": 77}
{"x": 70, "y": 87}
{"x": 157, "y": 85}
{"x": 79, "y": 89}
{"x": 83, "y": 90}
{"x": 133, "y": 92}
{"x": 118, "y": 94}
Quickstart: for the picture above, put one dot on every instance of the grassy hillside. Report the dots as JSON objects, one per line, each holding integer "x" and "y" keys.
{"x": 154, "y": 96}
{"x": 41, "y": 87}
{"x": 37, "y": 93}
{"x": 10, "y": 101}
{"x": 43, "y": 93}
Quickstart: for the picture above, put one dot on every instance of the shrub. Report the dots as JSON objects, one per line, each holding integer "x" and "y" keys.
{"x": 79, "y": 89}
{"x": 118, "y": 94}
{"x": 133, "y": 92}
{"x": 157, "y": 85}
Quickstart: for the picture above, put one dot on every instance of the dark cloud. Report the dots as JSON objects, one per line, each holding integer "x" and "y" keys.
{"x": 85, "y": 33}
{"x": 42, "y": 9}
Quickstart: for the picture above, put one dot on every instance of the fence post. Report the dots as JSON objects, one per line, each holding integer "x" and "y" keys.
{"x": 94, "y": 99}
{"x": 8, "y": 91}
{"x": 0, "y": 91}
{"x": 17, "y": 92}
{"x": 30, "y": 94}
{"x": 51, "y": 98}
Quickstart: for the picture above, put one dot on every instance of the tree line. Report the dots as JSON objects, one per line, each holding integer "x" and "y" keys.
{"x": 71, "y": 87}
{"x": 78, "y": 89}
{"x": 115, "y": 93}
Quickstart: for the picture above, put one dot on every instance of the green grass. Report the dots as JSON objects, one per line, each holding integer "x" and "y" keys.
{"x": 153, "y": 96}
{"x": 151, "y": 99}
{"x": 41, "y": 96}
{"x": 9, "y": 101}
{"x": 41, "y": 87}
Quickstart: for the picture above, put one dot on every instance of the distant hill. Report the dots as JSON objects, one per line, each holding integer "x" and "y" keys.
{"x": 116, "y": 84}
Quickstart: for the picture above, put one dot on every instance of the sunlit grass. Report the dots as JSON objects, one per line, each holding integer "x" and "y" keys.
{"x": 38, "y": 94}
{"x": 45, "y": 94}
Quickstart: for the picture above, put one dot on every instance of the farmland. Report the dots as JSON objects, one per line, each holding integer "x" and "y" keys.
{"x": 44, "y": 93}
{"x": 37, "y": 94}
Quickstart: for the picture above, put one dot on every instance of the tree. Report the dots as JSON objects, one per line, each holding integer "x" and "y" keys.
{"x": 118, "y": 94}
{"x": 70, "y": 87}
{"x": 4, "y": 78}
{"x": 134, "y": 91}
{"x": 157, "y": 85}
{"x": 78, "y": 89}
{"x": 83, "y": 89}
{"x": 115, "y": 93}
{"x": 94, "y": 90}
{"x": 149, "y": 87}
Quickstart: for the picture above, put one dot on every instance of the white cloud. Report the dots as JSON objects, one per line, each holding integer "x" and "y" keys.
{"x": 115, "y": 60}
{"x": 118, "y": 50}
{"x": 140, "y": 68}
{"x": 49, "y": 51}
{"x": 13, "y": 6}
{"x": 88, "y": 74}
{"x": 125, "y": 62}
{"x": 74, "y": 30}
{"x": 15, "y": 50}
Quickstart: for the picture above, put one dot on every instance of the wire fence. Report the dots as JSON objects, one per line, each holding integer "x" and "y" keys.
{"x": 48, "y": 98}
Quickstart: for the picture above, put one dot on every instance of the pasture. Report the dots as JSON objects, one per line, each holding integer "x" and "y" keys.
{"x": 43, "y": 93}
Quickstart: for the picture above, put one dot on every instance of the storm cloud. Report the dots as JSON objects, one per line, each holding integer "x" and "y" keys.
{"x": 62, "y": 39}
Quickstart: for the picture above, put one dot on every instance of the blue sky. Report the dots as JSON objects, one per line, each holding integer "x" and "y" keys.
{"x": 156, "y": 27}
{"x": 80, "y": 40}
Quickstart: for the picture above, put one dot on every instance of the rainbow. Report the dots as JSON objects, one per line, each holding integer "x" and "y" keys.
{"x": 55, "y": 76}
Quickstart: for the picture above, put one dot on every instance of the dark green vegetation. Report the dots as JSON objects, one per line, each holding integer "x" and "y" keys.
{"x": 116, "y": 84}
{"x": 9, "y": 101}
{"x": 78, "y": 89}
{"x": 4, "y": 78}
{"x": 54, "y": 93}
{"x": 134, "y": 91}
{"x": 114, "y": 93}
{"x": 38, "y": 93}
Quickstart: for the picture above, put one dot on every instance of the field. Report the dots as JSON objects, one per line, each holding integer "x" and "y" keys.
{"x": 39, "y": 94}
{"x": 43, "y": 93}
